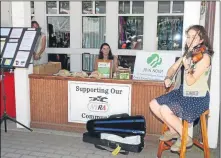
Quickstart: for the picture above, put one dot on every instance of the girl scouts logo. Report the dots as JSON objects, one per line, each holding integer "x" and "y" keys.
{"x": 154, "y": 60}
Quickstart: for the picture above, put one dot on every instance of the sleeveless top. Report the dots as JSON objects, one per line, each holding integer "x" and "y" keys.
{"x": 39, "y": 43}
{"x": 200, "y": 87}
{"x": 112, "y": 62}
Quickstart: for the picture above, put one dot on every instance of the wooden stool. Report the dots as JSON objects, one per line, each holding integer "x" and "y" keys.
{"x": 165, "y": 145}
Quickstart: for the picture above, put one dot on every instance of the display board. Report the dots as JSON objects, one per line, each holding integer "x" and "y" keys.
{"x": 104, "y": 67}
{"x": 17, "y": 46}
{"x": 153, "y": 65}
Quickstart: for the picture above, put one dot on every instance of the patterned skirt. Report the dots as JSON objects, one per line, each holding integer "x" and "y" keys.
{"x": 187, "y": 108}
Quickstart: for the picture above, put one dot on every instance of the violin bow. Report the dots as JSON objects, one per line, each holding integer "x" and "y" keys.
{"x": 181, "y": 63}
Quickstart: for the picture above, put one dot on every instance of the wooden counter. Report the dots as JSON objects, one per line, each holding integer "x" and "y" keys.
{"x": 49, "y": 102}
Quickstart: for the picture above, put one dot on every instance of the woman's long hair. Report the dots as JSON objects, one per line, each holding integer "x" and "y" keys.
{"x": 203, "y": 36}
{"x": 110, "y": 55}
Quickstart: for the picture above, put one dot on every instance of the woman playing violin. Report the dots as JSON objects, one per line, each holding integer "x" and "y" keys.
{"x": 192, "y": 97}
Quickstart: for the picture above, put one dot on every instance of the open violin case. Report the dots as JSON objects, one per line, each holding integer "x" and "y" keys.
{"x": 118, "y": 131}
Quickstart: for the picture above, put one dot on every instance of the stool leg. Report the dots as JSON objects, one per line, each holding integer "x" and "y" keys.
{"x": 160, "y": 149}
{"x": 161, "y": 146}
{"x": 184, "y": 139}
{"x": 205, "y": 137}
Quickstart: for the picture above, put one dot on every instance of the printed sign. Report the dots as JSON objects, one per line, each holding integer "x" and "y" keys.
{"x": 104, "y": 67}
{"x": 152, "y": 66}
{"x": 92, "y": 100}
{"x": 124, "y": 76}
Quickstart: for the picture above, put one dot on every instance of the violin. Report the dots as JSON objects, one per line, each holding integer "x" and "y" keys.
{"x": 196, "y": 56}
{"x": 197, "y": 53}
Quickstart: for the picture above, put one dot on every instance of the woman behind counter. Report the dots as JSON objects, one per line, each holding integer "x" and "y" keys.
{"x": 106, "y": 54}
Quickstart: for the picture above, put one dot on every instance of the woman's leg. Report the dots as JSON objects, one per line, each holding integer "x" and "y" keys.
{"x": 176, "y": 124}
{"x": 155, "y": 108}
{"x": 171, "y": 119}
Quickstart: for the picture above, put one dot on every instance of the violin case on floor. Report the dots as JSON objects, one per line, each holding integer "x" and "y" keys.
{"x": 121, "y": 130}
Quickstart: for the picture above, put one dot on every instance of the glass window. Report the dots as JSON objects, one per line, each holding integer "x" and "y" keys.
{"x": 87, "y": 7}
{"x": 100, "y": 7}
{"x": 32, "y": 18}
{"x": 127, "y": 61}
{"x": 169, "y": 32}
{"x": 178, "y": 6}
{"x": 64, "y": 7}
{"x": 164, "y": 7}
{"x": 124, "y": 7}
{"x": 51, "y": 7}
{"x": 94, "y": 31}
{"x": 138, "y": 7}
{"x": 32, "y": 7}
{"x": 130, "y": 32}
{"x": 58, "y": 31}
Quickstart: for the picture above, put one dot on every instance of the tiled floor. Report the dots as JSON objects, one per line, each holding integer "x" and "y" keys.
{"x": 20, "y": 143}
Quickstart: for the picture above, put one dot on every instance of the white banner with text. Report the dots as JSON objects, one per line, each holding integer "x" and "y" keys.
{"x": 152, "y": 66}
{"x": 93, "y": 100}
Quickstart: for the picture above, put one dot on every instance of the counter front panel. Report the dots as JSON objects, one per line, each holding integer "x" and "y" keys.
{"x": 49, "y": 102}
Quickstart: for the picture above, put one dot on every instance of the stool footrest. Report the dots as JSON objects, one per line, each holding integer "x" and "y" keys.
{"x": 197, "y": 143}
{"x": 168, "y": 143}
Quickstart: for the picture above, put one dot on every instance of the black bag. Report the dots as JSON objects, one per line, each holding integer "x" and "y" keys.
{"x": 121, "y": 125}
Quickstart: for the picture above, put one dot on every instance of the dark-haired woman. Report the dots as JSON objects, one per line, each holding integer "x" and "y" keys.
{"x": 105, "y": 53}
{"x": 192, "y": 98}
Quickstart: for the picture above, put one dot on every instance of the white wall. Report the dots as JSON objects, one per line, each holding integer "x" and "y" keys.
{"x": 21, "y": 13}
{"x": 6, "y": 20}
{"x": 213, "y": 122}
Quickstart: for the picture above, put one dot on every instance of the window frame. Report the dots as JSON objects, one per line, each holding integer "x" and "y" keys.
{"x": 55, "y": 15}
{"x": 93, "y": 14}
{"x": 171, "y": 11}
{"x": 130, "y": 15}
{"x": 131, "y": 9}
{"x": 32, "y": 15}
{"x": 170, "y": 14}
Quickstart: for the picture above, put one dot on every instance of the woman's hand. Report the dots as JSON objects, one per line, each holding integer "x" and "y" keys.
{"x": 167, "y": 82}
{"x": 36, "y": 57}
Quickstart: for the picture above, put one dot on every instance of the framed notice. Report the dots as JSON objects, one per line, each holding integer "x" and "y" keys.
{"x": 104, "y": 67}
{"x": 17, "y": 46}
